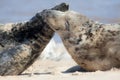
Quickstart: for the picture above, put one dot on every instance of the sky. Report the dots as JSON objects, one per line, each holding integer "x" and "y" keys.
{"x": 105, "y": 11}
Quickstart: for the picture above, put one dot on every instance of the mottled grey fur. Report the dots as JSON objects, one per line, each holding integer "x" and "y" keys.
{"x": 22, "y": 43}
{"x": 92, "y": 45}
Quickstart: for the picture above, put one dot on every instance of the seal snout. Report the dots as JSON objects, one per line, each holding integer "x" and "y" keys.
{"x": 47, "y": 14}
{"x": 54, "y": 18}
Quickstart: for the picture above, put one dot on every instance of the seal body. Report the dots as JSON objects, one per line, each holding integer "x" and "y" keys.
{"x": 22, "y": 43}
{"x": 94, "y": 46}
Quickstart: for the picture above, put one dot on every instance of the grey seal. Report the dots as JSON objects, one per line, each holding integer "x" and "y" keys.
{"x": 94, "y": 46}
{"x": 22, "y": 43}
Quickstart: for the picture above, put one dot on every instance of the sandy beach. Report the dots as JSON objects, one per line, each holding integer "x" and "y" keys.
{"x": 62, "y": 70}
{"x": 55, "y": 63}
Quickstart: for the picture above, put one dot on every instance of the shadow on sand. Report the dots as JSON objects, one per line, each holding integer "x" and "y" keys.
{"x": 74, "y": 69}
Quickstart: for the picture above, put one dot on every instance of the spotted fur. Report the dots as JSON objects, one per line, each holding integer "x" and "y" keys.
{"x": 94, "y": 46}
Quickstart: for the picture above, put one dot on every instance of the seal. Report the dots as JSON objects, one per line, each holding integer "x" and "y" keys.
{"x": 22, "y": 43}
{"x": 94, "y": 46}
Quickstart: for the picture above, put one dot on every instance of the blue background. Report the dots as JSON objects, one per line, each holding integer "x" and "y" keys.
{"x": 105, "y": 11}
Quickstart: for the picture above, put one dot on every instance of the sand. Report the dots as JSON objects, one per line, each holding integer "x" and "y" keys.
{"x": 62, "y": 70}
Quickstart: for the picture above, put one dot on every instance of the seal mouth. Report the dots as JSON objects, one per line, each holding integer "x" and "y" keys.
{"x": 58, "y": 29}
{"x": 67, "y": 25}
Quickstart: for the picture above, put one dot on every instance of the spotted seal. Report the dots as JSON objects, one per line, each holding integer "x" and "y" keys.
{"x": 94, "y": 46}
{"x": 22, "y": 43}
